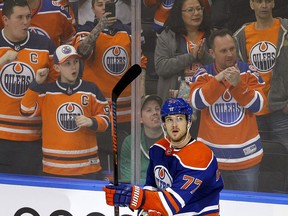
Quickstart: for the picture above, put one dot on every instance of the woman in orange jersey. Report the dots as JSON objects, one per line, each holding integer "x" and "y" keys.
{"x": 72, "y": 112}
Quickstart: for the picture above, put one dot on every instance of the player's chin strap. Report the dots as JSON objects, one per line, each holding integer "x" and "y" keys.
{"x": 169, "y": 141}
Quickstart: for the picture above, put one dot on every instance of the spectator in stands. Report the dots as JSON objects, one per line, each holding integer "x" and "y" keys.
{"x": 53, "y": 19}
{"x": 123, "y": 11}
{"x": 162, "y": 11}
{"x": 229, "y": 93}
{"x": 260, "y": 44}
{"x": 72, "y": 110}
{"x": 181, "y": 50}
{"x": 22, "y": 54}
{"x": 105, "y": 44}
{"x": 151, "y": 132}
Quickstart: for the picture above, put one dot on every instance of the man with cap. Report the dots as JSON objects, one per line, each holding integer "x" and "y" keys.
{"x": 72, "y": 111}
{"x": 182, "y": 176}
{"x": 151, "y": 132}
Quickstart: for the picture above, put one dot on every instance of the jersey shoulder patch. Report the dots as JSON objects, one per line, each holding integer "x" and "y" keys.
{"x": 196, "y": 155}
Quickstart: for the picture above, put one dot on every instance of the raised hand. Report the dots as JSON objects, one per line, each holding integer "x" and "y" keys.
{"x": 41, "y": 75}
{"x": 199, "y": 49}
{"x": 232, "y": 75}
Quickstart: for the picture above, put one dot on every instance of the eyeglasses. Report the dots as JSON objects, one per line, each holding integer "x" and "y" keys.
{"x": 192, "y": 10}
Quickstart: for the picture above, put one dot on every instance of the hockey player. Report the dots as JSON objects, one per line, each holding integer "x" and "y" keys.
{"x": 72, "y": 111}
{"x": 182, "y": 177}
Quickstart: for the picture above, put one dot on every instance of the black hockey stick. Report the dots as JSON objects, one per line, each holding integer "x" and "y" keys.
{"x": 127, "y": 79}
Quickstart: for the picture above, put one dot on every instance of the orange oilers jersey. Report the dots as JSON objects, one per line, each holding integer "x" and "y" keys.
{"x": 228, "y": 122}
{"x": 68, "y": 149}
{"x": 108, "y": 62}
{"x": 261, "y": 48}
{"x": 182, "y": 181}
{"x": 34, "y": 53}
{"x": 53, "y": 20}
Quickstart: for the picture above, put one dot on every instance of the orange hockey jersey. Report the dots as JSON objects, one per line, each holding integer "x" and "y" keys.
{"x": 261, "y": 48}
{"x": 34, "y": 53}
{"x": 228, "y": 122}
{"x": 67, "y": 149}
{"x": 53, "y": 20}
{"x": 109, "y": 61}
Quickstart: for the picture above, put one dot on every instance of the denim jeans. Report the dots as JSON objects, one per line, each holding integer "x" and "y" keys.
{"x": 274, "y": 127}
{"x": 245, "y": 179}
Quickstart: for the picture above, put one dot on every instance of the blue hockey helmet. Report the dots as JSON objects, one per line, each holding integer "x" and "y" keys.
{"x": 174, "y": 106}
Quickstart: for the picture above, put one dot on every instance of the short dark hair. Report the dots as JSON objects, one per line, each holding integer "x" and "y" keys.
{"x": 9, "y": 5}
{"x": 218, "y": 33}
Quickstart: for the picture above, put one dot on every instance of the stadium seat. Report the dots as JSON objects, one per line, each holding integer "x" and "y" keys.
{"x": 273, "y": 175}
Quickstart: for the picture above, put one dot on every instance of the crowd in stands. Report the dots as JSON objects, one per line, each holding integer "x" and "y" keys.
{"x": 227, "y": 59}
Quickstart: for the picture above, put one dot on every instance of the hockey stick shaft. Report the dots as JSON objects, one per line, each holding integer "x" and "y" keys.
{"x": 127, "y": 79}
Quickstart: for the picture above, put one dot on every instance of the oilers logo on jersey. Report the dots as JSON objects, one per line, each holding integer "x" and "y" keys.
{"x": 263, "y": 56}
{"x": 115, "y": 60}
{"x": 226, "y": 111}
{"x": 66, "y": 115}
{"x": 162, "y": 177}
{"x": 15, "y": 79}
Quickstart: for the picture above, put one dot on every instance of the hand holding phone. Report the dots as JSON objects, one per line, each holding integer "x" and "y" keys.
{"x": 110, "y": 7}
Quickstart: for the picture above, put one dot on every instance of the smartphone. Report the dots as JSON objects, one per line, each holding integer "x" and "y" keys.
{"x": 110, "y": 7}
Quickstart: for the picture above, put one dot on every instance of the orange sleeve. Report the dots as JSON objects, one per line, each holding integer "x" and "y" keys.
{"x": 151, "y": 3}
{"x": 211, "y": 88}
{"x": 29, "y": 104}
{"x": 153, "y": 202}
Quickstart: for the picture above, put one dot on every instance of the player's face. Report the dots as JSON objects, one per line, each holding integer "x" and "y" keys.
{"x": 192, "y": 13}
{"x": 224, "y": 52}
{"x": 176, "y": 127}
{"x": 99, "y": 7}
{"x": 69, "y": 70}
{"x": 16, "y": 26}
{"x": 150, "y": 115}
{"x": 262, "y": 8}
